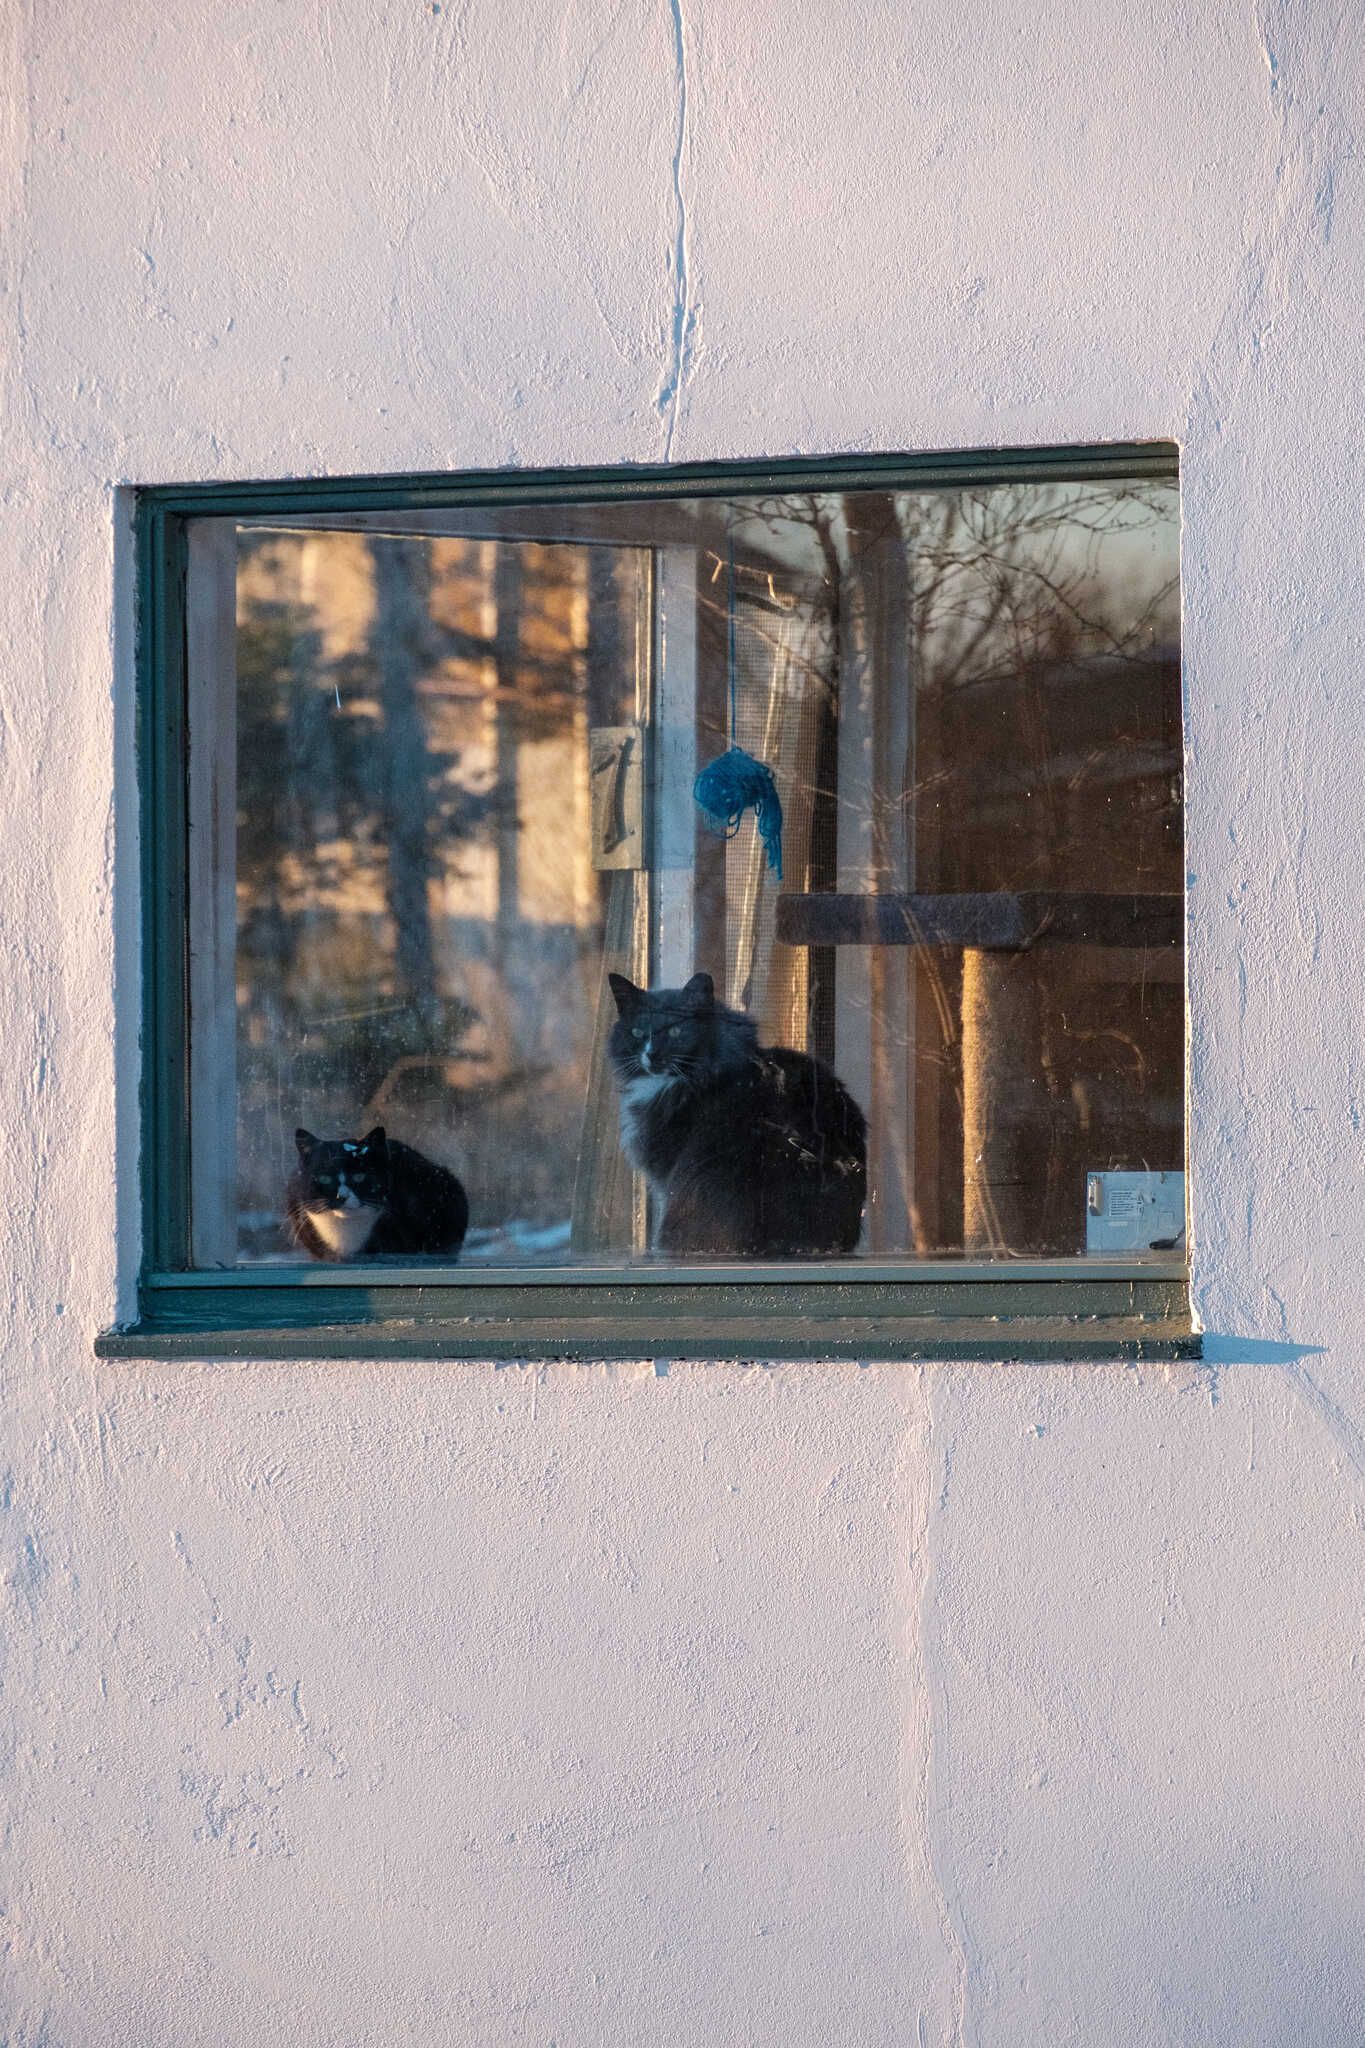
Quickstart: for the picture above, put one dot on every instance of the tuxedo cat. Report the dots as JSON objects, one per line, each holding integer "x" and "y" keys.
{"x": 752, "y": 1150}
{"x": 372, "y": 1198}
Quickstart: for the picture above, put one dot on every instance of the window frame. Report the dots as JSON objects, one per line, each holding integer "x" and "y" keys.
{"x": 1003, "y": 1310}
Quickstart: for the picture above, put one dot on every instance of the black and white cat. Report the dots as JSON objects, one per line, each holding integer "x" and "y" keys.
{"x": 752, "y": 1150}
{"x": 372, "y": 1198}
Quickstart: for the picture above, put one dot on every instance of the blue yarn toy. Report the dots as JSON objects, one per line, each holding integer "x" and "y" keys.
{"x": 735, "y": 782}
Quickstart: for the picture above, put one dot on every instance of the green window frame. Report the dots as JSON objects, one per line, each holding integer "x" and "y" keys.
{"x": 959, "y": 1308}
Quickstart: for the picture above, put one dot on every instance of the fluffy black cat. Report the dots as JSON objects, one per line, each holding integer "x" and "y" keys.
{"x": 753, "y": 1150}
{"x": 372, "y": 1198}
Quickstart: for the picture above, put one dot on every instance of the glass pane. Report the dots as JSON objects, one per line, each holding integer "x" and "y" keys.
{"x": 446, "y": 853}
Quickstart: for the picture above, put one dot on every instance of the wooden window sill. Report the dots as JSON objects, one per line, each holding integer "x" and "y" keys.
{"x": 1068, "y": 1310}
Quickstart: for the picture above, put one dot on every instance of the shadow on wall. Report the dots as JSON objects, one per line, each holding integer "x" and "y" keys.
{"x": 1218, "y": 1350}
{"x": 1216, "y": 1347}
{"x": 1267, "y": 1956}
{"x": 1242, "y": 1937}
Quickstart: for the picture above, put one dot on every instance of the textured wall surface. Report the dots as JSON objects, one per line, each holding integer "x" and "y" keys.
{"x": 592, "y": 1706}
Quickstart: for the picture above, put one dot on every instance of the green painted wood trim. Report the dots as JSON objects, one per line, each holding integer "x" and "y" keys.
{"x": 670, "y": 1318}
{"x": 663, "y": 1306}
{"x": 902, "y": 1275}
{"x": 859, "y": 1339}
{"x": 947, "y": 1309}
{"x": 161, "y": 743}
{"x": 415, "y": 491}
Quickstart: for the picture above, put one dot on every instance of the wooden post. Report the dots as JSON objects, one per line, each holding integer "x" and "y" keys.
{"x": 873, "y": 1000}
{"x": 673, "y": 748}
{"x": 1001, "y": 1064}
{"x": 608, "y": 1205}
{"x": 781, "y": 973}
{"x": 608, "y": 1198}
{"x": 893, "y": 846}
{"x": 853, "y": 828}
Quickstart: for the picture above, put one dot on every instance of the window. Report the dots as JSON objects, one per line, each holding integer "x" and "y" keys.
{"x": 425, "y": 839}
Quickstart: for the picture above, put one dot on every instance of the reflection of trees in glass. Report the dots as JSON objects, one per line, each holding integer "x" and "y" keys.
{"x": 1006, "y": 607}
{"x": 1034, "y": 629}
{"x": 341, "y": 795}
{"x": 409, "y": 923}
{"x": 960, "y": 691}
{"x": 401, "y": 637}
{"x": 1047, "y": 671}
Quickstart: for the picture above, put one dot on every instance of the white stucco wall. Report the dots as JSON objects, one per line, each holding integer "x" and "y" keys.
{"x": 798, "y": 1705}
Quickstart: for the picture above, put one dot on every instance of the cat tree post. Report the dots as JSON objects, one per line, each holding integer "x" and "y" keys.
{"x": 1001, "y": 1070}
{"x": 1003, "y": 935}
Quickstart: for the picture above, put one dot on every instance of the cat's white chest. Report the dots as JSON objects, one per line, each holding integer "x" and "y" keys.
{"x": 636, "y": 1096}
{"x": 344, "y": 1231}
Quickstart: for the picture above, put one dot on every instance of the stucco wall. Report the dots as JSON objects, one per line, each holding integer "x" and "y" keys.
{"x": 580, "y": 1706}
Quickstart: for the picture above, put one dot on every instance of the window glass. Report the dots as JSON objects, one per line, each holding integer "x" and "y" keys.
{"x": 446, "y": 850}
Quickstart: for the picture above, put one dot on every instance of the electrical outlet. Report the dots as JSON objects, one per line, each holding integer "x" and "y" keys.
{"x": 1134, "y": 1212}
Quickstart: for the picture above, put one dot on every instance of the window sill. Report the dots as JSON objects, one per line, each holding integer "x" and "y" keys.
{"x": 1062, "y": 1310}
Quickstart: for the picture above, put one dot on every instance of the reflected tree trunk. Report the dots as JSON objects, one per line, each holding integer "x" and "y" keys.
{"x": 402, "y": 577}
{"x": 507, "y": 605}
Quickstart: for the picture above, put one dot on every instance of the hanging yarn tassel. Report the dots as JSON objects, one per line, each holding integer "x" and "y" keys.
{"x": 731, "y": 785}
{"x": 735, "y": 782}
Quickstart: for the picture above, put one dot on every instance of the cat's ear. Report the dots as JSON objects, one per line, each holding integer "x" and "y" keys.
{"x": 628, "y": 997}
{"x": 376, "y": 1141}
{"x": 702, "y": 990}
{"x": 305, "y": 1141}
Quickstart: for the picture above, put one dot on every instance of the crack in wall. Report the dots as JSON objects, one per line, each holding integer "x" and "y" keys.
{"x": 1335, "y": 1420}
{"x": 1270, "y": 278}
{"x": 937, "y": 1789}
{"x": 1288, "y": 226}
{"x": 668, "y": 404}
